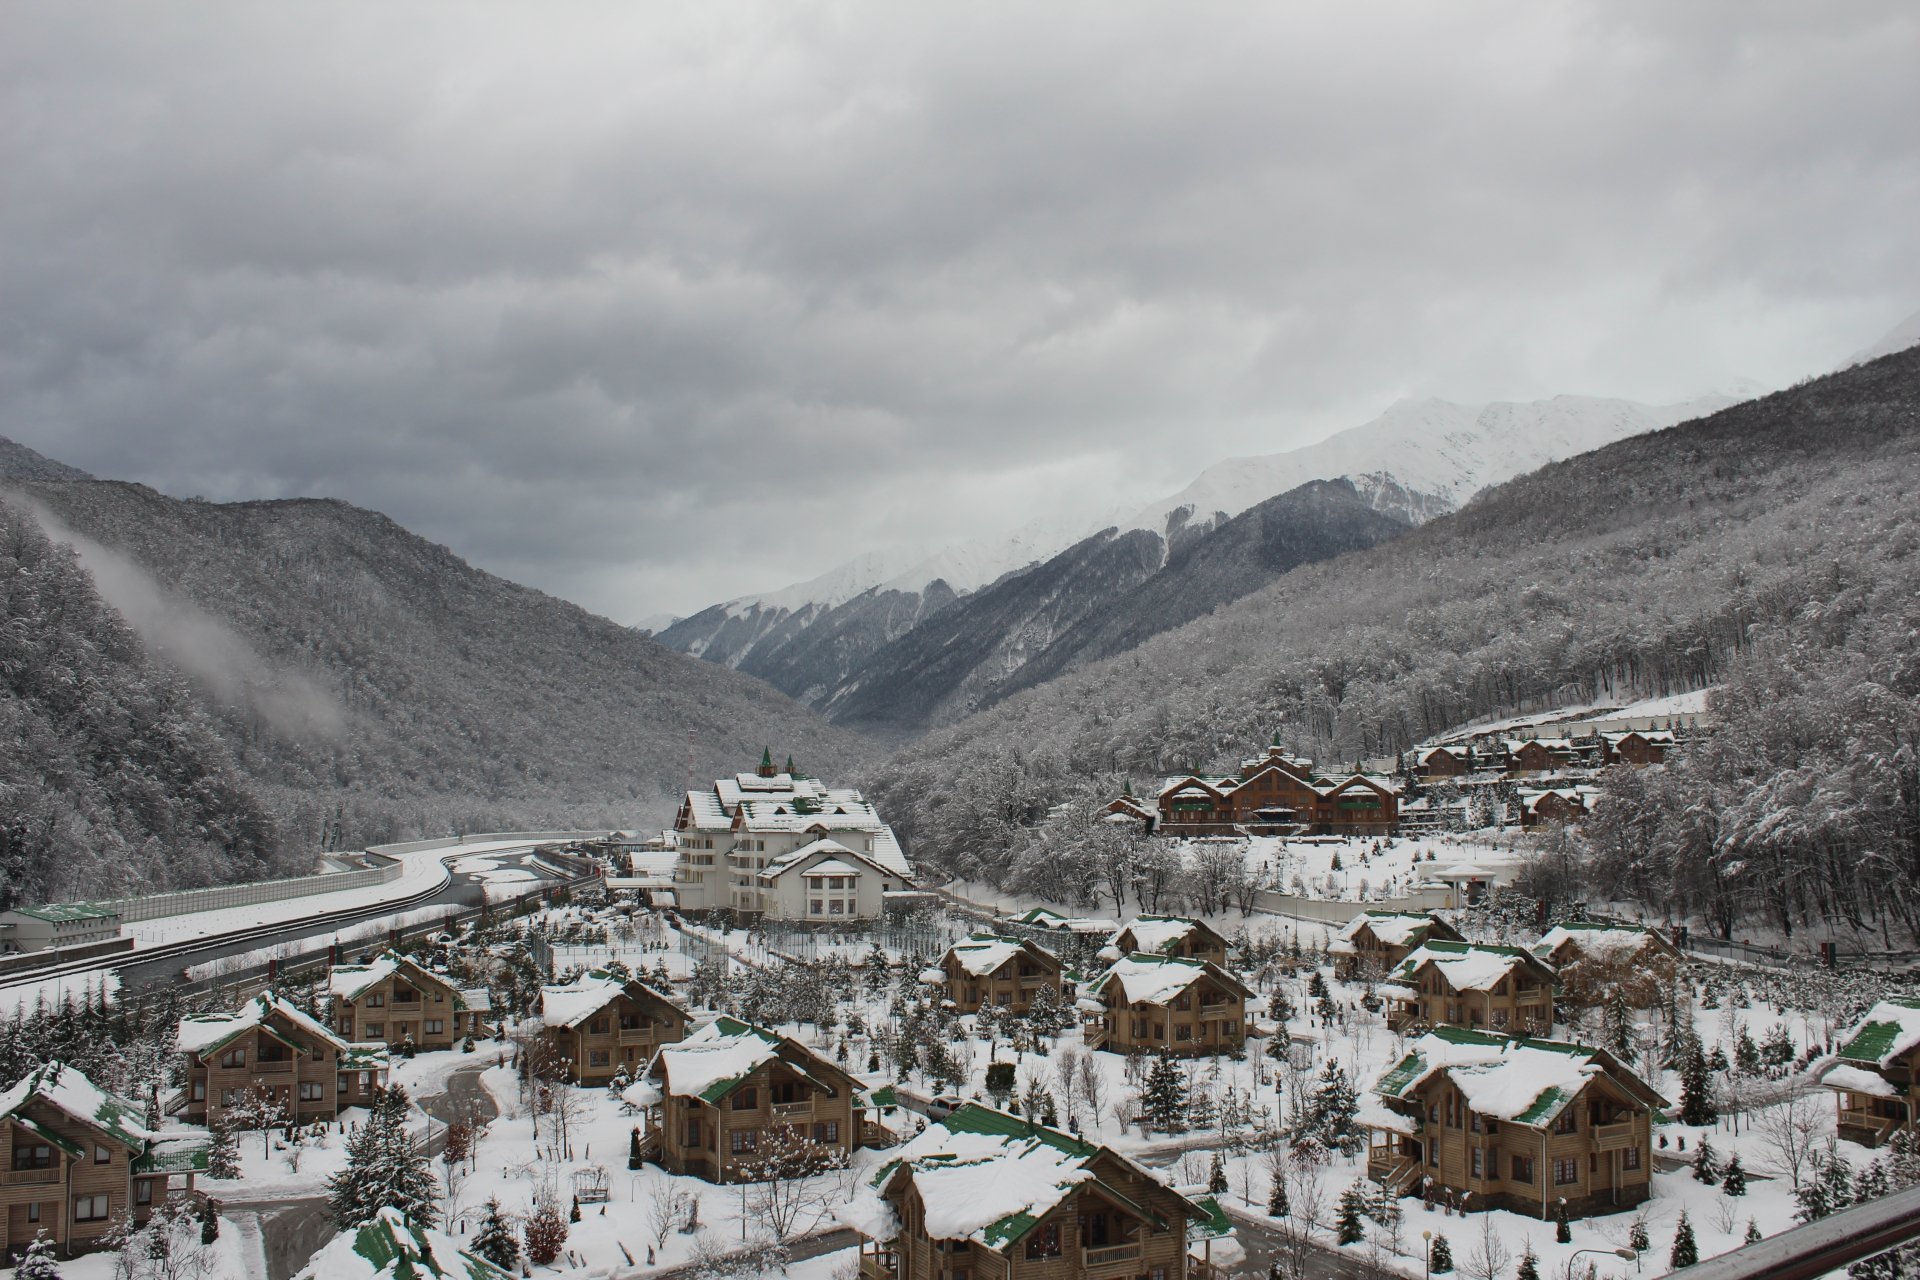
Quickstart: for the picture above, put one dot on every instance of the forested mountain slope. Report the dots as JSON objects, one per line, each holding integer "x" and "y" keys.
{"x": 373, "y": 685}
{"x": 1103, "y": 596}
{"x": 1779, "y": 527}
{"x": 112, "y": 778}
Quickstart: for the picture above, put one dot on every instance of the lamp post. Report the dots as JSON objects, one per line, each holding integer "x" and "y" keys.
{"x": 1629, "y": 1254}
{"x": 1426, "y": 1253}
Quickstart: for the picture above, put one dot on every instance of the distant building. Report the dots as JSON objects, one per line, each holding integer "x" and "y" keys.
{"x": 1458, "y": 984}
{"x": 269, "y": 1047}
{"x": 1636, "y": 747}
{"x": 987, "y": 969}
{"x": 983, "y": 1193}
{"x": 1168, "y": 936}
{"x": 1561, "y": 805}
{"x": 778, "y": 845}
{"x": 1277, "y": 794}
{"x": 1494, "y": 1122}
{"x": 1432, "y": 763}
{"x": 78, "y": 1161}
{"x": 1876, "y": 1073}
{"x": 603, "y": 1025}
{"x": 1041, "y": 918}
{"x": 1594, "y": 961}
{"x": 1160, "y": 1003}
{"x": 397, "y": 1001}
{"x": 1540, "y": 755}
{"x": 1374, "y": 942}
{"x": 71, "y": 924}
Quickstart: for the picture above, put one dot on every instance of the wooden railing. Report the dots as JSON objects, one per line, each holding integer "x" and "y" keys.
{"x": 1871, "y": 1121}
{"x": 1614, "y": 1137}
{"x": 29, "y": 1177}
{"x": 636, "y": 1035}
{"x": 1110, "y": 1255}
{"x": 405, "y": 1006}
{"x": 272, "y": 1066}
{"x": 804, "y": 1108}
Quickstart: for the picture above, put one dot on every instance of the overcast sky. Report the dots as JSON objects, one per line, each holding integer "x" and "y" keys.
{"x": 649, "y": 305}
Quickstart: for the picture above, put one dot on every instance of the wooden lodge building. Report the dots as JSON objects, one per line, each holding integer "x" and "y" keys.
{"x": 1374, "y": 943}
{"x": 1494, "y": 1122}
{"x": 1593, "y": 960}
{"x": 1159, "y": 1003}
{"x": 731, "y": 1098}
{"x": 269, "y": 1047}
{"x": 1277, "y": 794}
{"x": 987, "y": 969}
{"x": 1636, "y": 747}
{"x": 1167, "y": 936}
{"x": 77, "y": 1160}
{"x": 603, "y": 1026}
{"x": 1506, "y": 990}
{"x": 984, "y": 1194}
{"x": 1876, "y": 1074}
{"x": 396, "y": 1001}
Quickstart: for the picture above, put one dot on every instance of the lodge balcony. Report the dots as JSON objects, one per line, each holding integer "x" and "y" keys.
{"x": 272, "y": 1066}
{"x": 405, "y": 1006}
{"x": 29, "y": 1177}
{"x": 1614, "y": 1137}
{"x": 792, "y": 1110}
{"x": 636, "y": 1035}
{"x": 1113, "y": 1259}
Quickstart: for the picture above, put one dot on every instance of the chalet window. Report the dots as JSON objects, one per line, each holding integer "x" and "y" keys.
{"x": 90, "y": 1208}
{"x": 33, "y": 1212}
{"x": 234, "y": 1058}
{"x": 1499, "y": 1017}
{"x": 746, "y": 1099}
{"x": 199, "y": 1090}
{"x": 227, "y": 1097}
{"x": 599, "y": 1057}
{"x": 836, "y": 908}
{"x": 1044, "y": 1242}
{"x": 1478, "y": 1163}
{"x": 1139, "y": 1028}
{"x": 693, "y": 1133}
{"x": 436, "y": 1026}
{"x": 816, "y": 907}
{"x": 1630, "y": 1158}
{"x": 597, "y": 1027}
{"x": 312, "y": 1091}
{"x": 1232, "y": 1028}
{"x": 374, "y": 1030}
{"x": 632, "y": 1022}
{"x": 1566, "y": 1171}
{"x": 1183, "y": 1002}
{"x": 1473, "y": 1121}
{"x": 32, "y": 1157}
{"x": 827, "y": 1131}
{"x": 1567, "y": 1121}
{"x": 1159, "y": 1032}
{"x": 1523, "y": 1169}
{"x": 744, "y": 1141}
{"x": 1183, "y": 1032}
{"x": 143, "y": 1191}
{"x": 402, "y": 995}
{"x": 787, "y": 1091}
{"x": 1004, "y": 998}
{"x": 101, "y": 1155}
{"x": 366, "y": 1081}
{"x": 377, "y": 1000}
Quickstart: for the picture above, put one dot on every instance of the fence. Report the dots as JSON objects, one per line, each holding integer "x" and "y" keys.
{"x": 1326, "y": 911}
{"x": 249, "y": 895}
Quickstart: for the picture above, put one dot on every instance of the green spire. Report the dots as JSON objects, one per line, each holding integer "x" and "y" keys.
{"x": 1127, "y": 790}
{"x": 766, "y": 756}
{"x": 790, "y": 766}
{"x": 1276, "y": 737}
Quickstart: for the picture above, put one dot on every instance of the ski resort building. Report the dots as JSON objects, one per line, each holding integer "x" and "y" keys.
{"x": 1277, "y": 794}
{"x": 987, "y": 969}
{"x": 1593, "y": 960}
{"x": 79, "y": 1160}
{"x": 1636, "y": 747}
{"x": 732, "y": 1101}
{"x": 269, "y": 1049}
{"x": 1167, "y": 936}
{"x": 1373, "y": 943}
{"x": 396, "y": 1001}
{"x": 1432, "y": 763}
{"x": 983, "y": 1193}
{"x": 779, "y": 845}
{"x": 603, "y": 1026}
{"x": 1458, "y": 984}
{"x": 1876, "y": 1073}
{"x": 1161, "y": 1003}
{"x": 74, "y": 924}
{"x": 1494, "y": 1122}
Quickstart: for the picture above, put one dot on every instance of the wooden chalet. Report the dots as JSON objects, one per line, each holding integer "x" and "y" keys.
{"x": 397, "y": 1001}
{"x": 1540, "y": 755}
{"x": 1458, "y": 984}
{"x": 269, "y": 1048}
{"x": 732, "y": 1100}
{"x": 1876, "y": 1074}
{"x": 1168, "y": 936}
{"x": 987, "y": 969}
{"x": 1160, "y": 1003}
{"x": 1592, "y": 961}
{"x": 1126, "y": 809}
{"x": 1495, "y": 1122}
{"x": 605, "y": 1026}
{"x": 76, "y": 1161}
{"x": 1435, "y": 763}
{"x": 1563, "y": 805}
{"x": 1277, "y": 794}
{"x": 1636, "y": 747}
{"x": 1373, "y": 943}
{"x": 987, "y": 1194}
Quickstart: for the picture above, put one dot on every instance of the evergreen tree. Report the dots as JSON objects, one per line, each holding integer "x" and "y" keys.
{"x": 1733, "y": 1179}
{"x": 633, "y": 1149}
{"x": 1685, "y": 1252}
{"x": 223, "y": 1156}
{"x": 1562, "y": 1229}
{"x": 1746, "y": 1054}
{"x": 1316, "y": 986}
{"x": 573, "y": 1214}
{"x": 1277, "y": 1206}
{"x": 209, "y": 1222}
{"x": 1753, "y": 1232}
{"x": 1217, "y": 1176}
{"x": 495, "y": 1240}
{"x": 1440, "y": 1256}
{"x": 383, "y": 1168}
{"x": 39, "y": 1263}
{"x": 1333, "y": 1108}
{"x": 1617, "y": 1032}
{"x": 1165, "y": 1095}
{"x": 1353, "y": 1203}
{"x": 1696, "y": 1088}
{"x": 1704, "y": 1168}
{"x": 1529, "y": 1268}
{"x": 1637, "y": 1239}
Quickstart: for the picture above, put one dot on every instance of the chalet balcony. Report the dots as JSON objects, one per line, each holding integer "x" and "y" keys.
{"x": 29, "y": 1177}
{"x": 1113, "y": 1258}
{"x": 1225, "y": 1009}
{"x": 790, "y": 1110}
{"x": 1878, "y": 1127}
{"x": 878, "y": 1266}
{"x": 405, "y": 1006}
{"x": 1614, "y": 1137}
{"x": 635, "y": 1035}
{"x": 272, "y": 1066}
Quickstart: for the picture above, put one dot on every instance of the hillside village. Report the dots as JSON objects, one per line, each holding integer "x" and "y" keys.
{"x": 758, "y": 1029}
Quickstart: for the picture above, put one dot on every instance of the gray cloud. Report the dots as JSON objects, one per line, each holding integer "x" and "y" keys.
{"x": 650, "y": 305}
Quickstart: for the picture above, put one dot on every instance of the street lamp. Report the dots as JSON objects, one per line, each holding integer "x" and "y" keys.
{"x": 1426, "y": 1253}
{"x": 1629, "y": 1254}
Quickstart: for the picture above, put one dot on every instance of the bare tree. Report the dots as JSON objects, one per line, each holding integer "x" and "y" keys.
{"x": 1489, "y": 1257}
{"x": 258, "y": 1108}
{"x": 788, "y": 1196}
{"x": 1093, "y": 1084}
{"x": 570, "y": 1109}
{"x": 1789, "y": 1128}
{"x": 1066, "y": 1073}
{"x": 666, "y": 1208}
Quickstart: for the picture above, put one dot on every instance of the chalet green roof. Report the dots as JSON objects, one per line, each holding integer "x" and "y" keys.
{"x": 1884, "y": 1033}
{"x": 67, "y": 912}
{"x": 185, "y": 1154}
{"x": 1211, "y": 1223}
{"x": 1531, "y": 1091}
{"x": 52, "y": 1136}
{"x": 394, "y": 1247}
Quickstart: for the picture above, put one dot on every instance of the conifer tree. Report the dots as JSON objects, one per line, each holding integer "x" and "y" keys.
{"x": 1685, "y": 1252}
{"x": 633, "y": 1149}
{"x": 1704, "y": 1168}
{"x": 223, "y": 1157}
{"x": 1529, "y": 1268}
{"x": 1217, "y": 1176}
{"x": 39, "y": 1263}
{"x": 1353, "y": 1203}
{"x": 1440, "y": 1256}
{"x": 209, "y": 1222}
{"x": 1617, "y": 1034}
{"x": 1562, "y": 1229}
{"x": 1277, "y": 1206}
{"x": 1696, "y": 1088}
{"x": 1165, "y": 1095}
{"x": 495, "y": 1240}
{"x": 1733, "y": 1179}
{"x": 1333, "y": 1108}
{"x": 383, "y": 1169}
{"x": 1753, "y": 1232}
{"x": 1637, "y": 1239}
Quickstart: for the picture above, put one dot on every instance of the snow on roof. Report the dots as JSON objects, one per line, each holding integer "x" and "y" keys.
{"x": 1465, "y": 967}
{"x": 1393, "y": 928}
{"x": 209, "y": 1031}
{"x": 1527, "y": 1082}
{"x": 1463, "y": 871}
{"x": 1610, "y": 939}
{"x": 983, "y": 953}
{"x": 1890, "y": 1030}
{"x": 706, "y": 812}
{"x": 832, "y": 867}
{"x": 1858, "y": 1080}
{"x": 388, "y": 1247}
{"x": 66, "y": 1090}
{"x": 571, "y": 1003}
{"x": 714, "y": 1059}
{"x": 478, "y": 999}
{"x": 1155, "y": 933}
{"x": 347, "y": 981}
{"x": 1655, "y": 737}
{"x": 1150, "y": 979}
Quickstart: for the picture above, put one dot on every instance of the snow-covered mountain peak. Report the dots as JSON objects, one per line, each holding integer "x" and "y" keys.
{"x": 1899, "y": 338}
